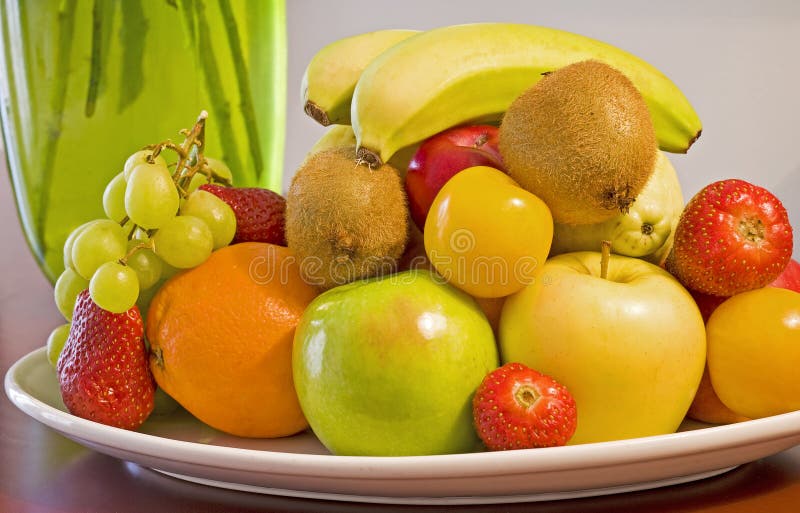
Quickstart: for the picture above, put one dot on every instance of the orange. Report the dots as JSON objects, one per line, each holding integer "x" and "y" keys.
{"x": 221, "y": 339}
{"x": 707, "y": 407}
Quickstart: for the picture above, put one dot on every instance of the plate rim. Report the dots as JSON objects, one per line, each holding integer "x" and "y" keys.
{"x": 376, "y": 468}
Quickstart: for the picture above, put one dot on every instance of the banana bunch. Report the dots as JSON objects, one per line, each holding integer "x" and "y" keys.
{"x": 331, "y": 76}
{"x": 427, "y": 82}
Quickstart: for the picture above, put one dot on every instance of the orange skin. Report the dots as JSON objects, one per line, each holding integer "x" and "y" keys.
{"x": 221, "y": 339}
{"x": 707, "y": 407}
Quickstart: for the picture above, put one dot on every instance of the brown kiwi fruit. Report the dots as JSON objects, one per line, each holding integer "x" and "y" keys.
{"x": 344, "y": 220}
{"x": 581, "y": 139}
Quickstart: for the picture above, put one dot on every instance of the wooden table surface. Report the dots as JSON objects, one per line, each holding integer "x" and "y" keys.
{"x": 43, "y": 472}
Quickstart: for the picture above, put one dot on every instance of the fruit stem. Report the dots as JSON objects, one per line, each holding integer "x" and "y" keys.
{"x": 368, "y": 157}
{"x": 190, "y": 153}
{"x": 134, "y": 249}
{"x": 605, "y": 256}
{"x": 316, "y": 113}
{"x": 526, "y": 396}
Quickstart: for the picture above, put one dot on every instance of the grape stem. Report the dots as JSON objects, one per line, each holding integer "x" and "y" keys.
{"x": 190, "y": 153}
{"x": 158, "y": 148}
{"x": 144, "y": 245}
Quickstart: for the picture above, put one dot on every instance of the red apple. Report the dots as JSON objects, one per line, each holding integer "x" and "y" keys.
{"x": 442, "y": 156}
{"x": 706, "y": 302}
{"x": 789, "y": 278}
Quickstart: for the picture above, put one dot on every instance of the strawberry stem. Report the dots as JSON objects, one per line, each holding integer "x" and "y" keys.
{"x": 605, "y": 256}
{"x": 752, "y": 229}
{"x": 526, "y": 396}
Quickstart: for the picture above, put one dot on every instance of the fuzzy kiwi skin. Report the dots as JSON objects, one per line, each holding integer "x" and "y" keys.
{"x": 345, "y": 221}
{"x": 581, "y": 139}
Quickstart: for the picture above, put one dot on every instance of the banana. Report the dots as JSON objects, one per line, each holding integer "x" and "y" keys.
{"x": 469, "y": 73}
{"x": 339, "y": 136}
{"x": 331, "y": 76}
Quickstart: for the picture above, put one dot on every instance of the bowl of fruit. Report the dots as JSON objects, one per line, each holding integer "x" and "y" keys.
{"x": 483, "y": 284}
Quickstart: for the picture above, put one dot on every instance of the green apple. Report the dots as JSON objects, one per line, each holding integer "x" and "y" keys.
{"x": 646, "y": 231}
{"x": 631, "y": 347}
{"x": 388, "y": 366}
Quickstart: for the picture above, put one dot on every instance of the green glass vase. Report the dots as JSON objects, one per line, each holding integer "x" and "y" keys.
{"x": 85, "y": 83}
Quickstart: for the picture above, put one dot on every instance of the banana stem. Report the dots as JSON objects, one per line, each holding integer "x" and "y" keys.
{"x": 316, "y": 113}
{"x": 605, "y": 256}
{"x": 368, "y": 157}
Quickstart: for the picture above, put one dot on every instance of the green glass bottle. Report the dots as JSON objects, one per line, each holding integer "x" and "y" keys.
{"x": 85, "y": 83}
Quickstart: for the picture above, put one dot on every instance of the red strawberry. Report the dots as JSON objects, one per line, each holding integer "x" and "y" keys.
{"x": 733, "y": 236}
{"x": 516, "y": 407}
{"x": 103, "y": 369}
{"x": 259, "y": 213}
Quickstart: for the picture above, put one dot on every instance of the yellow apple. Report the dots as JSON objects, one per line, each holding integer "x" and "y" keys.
{"x": 631, "y": 347}
{"x": 646, "y": 231}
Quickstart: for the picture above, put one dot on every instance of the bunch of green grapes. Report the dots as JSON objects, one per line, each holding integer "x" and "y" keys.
{"x": 157, "y": 224}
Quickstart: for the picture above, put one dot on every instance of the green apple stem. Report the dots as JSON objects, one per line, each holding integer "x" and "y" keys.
{"x": 605, "y": 256}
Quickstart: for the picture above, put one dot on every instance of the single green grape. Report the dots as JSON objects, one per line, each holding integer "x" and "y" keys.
{"x": 151, "y": 198}
{"x": 217, "y": 215}
{"x": 114, "y": 287}
{"x": 220, "y": 168}
{"x": 140, "y": 235}
{"x": 168, "y": 271}
{"x": 140, "y": 157}
{"x": 100, "y": 242}
{"x": 145, "y": 263}
{"x": 146, "y": 296}
{"x": 184, "y": 242}
{"x": 114, "y": 198}
{"x": 70, "y": 241}
{"x": 68, "y": 285}
{"x": 55, "y": 343}
{"x": 199, "y": 178}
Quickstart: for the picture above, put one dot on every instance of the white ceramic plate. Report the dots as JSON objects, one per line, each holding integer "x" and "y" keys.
{"x": 300, "y": 466}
